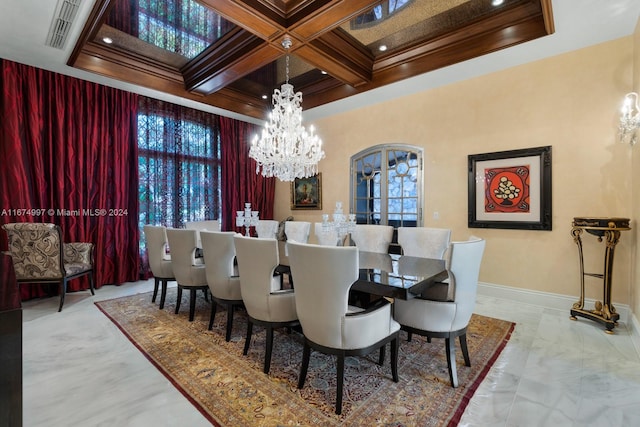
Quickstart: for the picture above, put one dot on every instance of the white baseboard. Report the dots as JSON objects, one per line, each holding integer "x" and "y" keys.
{"x": 556, "y": 301}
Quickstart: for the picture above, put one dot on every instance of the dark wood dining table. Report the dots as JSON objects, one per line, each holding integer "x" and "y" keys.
{"x": 397, "y": 276}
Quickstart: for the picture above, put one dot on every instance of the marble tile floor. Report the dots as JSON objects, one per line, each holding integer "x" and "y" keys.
{"x": 80, "y": 370}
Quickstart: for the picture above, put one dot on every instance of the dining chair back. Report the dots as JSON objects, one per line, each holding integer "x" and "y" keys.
{"x": 424, "y": 242}
{"x": 188, "y": 274}
{"x": 219, "y": 253}
{"x": 159, "y": 259}
{"x": 448, "y": 319}
{"x": 266, "y": 303}
{"x": 372, "y": 237}
{"x": 325, "y": 236}
{"x": 267, "y": 228}
{"x": 297, "y": 231}
{"x": 324, "y": 276}
{"x": 206, "y": 225}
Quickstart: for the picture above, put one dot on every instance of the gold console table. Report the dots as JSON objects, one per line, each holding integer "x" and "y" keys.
{"x": 607, "y": 229}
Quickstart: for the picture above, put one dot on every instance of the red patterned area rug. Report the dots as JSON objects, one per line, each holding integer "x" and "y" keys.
{"x": 231, "y": 390}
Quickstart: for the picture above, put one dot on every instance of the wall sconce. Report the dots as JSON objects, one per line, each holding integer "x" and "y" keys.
{"x": 629, "y": 119}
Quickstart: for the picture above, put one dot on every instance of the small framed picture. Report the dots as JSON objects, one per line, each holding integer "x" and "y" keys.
{"x": 306, "y": 193}
{"x": 510, "y": 189}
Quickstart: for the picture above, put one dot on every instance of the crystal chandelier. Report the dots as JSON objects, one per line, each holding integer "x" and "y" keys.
{"x": 630, "y": 119}
{"x": 286, "y": 150}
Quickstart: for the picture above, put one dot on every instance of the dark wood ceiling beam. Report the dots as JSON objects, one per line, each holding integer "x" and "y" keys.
{"x": 96, "y": 18}
{"x": 340, "y": 56}
{"x": 250, "y": 15}
{"x": 237, "y": 54}
{"x": 518, "y": 24}
{"x": 307, "y": 24}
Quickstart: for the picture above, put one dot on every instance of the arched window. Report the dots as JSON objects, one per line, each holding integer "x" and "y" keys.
{"x": 386, "y": 186}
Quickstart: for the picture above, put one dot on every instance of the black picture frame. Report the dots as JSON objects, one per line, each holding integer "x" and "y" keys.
{"x": 510, "y": 189}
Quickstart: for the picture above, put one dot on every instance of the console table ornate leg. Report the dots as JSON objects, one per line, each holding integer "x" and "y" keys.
{"x": 607, "y": 229}
{"x": 576, "y": 232}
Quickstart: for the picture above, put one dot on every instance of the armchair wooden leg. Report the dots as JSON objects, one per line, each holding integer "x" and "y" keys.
{"x": 63, "y": 291}
{"x": 306, "y": 355}
{"x": 247, "y": 340}
{"x": 450, "y": 345}
{"x": 339, "y": 383}
{"x": 91, "y": 283}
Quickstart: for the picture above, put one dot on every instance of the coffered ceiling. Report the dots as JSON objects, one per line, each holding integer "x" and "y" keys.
{"x": 335, "y": 53}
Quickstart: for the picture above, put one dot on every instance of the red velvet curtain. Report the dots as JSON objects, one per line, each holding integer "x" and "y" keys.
{"x": 69, "y": 153}
{"x": 240, "y": 182}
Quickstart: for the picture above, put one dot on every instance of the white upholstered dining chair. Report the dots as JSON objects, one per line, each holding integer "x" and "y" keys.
{"x": 159, "y": 260}
{"x": 266, "y": 303}
{"x": 267, "y": 228}
{"x": 372, "y": 237}
{"x": 448, "y": 318}
{"x": 297, "y": 231}
{"x": 424, "y": 242}
{"x": 219, "y": 254}
{"x": 324, "y": 276}
{"x": 189, "y": 274}
{"x": 325, "y": 237}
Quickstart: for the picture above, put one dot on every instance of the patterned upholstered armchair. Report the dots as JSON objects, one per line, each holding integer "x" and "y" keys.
{"x": 40, "y": 256}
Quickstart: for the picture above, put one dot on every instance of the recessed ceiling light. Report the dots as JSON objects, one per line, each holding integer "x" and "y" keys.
{"x": 497, "y": 2}
{"x": 323, "y": 72}
{"x": 107, "y": 40}
{"x": 264, "y": 96}
{"x": 382, "y": 47}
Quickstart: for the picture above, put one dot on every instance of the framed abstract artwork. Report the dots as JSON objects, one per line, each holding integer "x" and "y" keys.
{"x": 306, "y": 193}
{"x": 510, "y": 189}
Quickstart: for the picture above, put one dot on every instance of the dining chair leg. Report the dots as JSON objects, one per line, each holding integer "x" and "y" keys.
{"x": 465, "y": 350}
{"x": 192, "y": 304}
{"x": 306, "y": 355}
{"x": 213, "y": 314}
{"x": 229, "y": 321}
{"x": 269, "y": 349}
{"x": 178, "y": 299}
{"x": 394, "y": 359}
{"x": 409, "y": 336}
{"x": 163, "y": 293}
{"x": 450, "y": 345}
{"x": 156, "y": 285}
{"x": 339, "y": 383}
{"x": 381, "y": 356}
{"x": 247, "y": 340}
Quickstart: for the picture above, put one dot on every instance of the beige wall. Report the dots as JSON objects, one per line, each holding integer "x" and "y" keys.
{"x": 570, "y": 102}
{"x": 635, "y": 270}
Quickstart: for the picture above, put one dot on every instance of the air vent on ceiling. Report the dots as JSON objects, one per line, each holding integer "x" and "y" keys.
{"x": 62, "y": 21}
